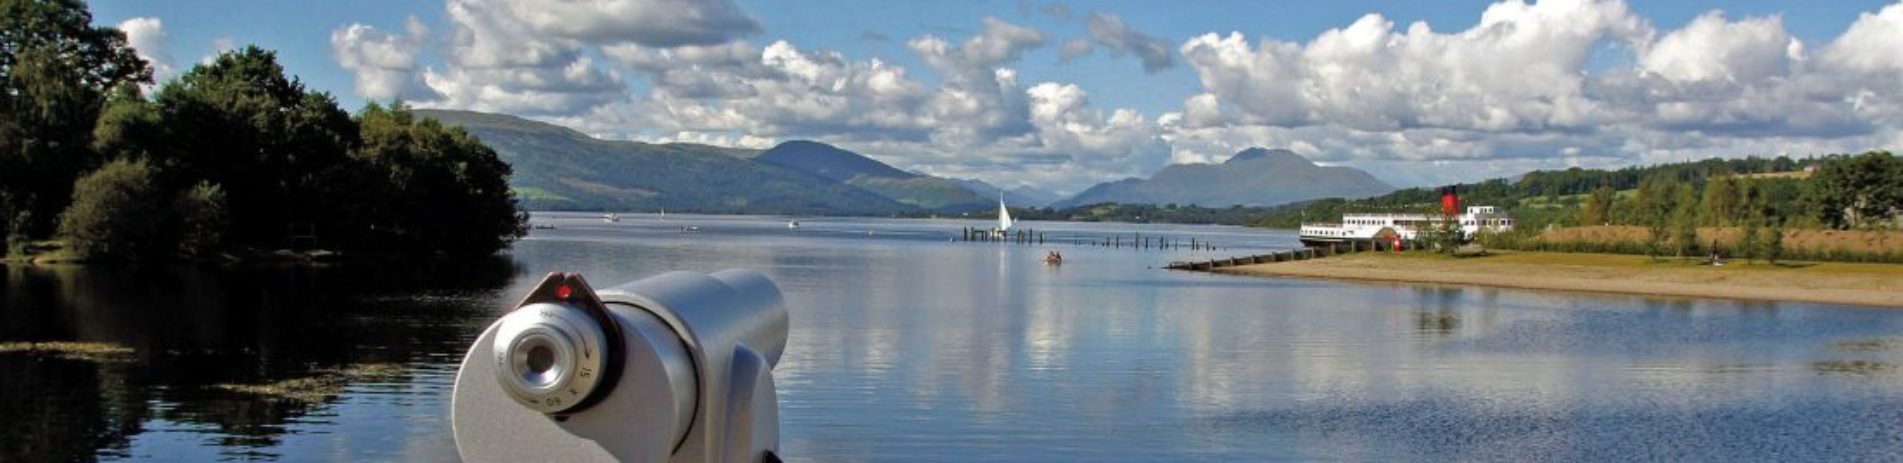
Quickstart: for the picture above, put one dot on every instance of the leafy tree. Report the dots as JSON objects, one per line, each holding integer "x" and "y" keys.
{"x": 1720, "y": 201}
{"x": 1654, "y": 203}
{"x": 439, "y": 187}
{"x": 201, "y": 219}
{"x": 1860, "y": 191}
{"x": 1598, "y": 207}
{"x": 1748, "y": 239}
{"x": 1685, "y": 221}
{"x": 115, "y": 213}
{"x": 1773, "y": 241}
{"x": 55, "y": 69}
{"x": 279, "y": 151}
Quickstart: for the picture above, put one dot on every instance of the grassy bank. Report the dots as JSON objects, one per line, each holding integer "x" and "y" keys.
{"x": 1876, "y": 246}
{"x": 1827, "y": 282}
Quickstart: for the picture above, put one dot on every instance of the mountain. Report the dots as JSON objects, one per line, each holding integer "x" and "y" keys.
{"x": 1253, "y": 177}
{"x": 1023, "y": 196}
{"x": 830, "y": 162}
{"x": 560, "y": 169}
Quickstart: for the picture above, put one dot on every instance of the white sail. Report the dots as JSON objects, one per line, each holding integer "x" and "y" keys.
{"x": 1004, "y": 215}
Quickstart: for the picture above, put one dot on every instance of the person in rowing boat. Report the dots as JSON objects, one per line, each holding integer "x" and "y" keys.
{"x": 1054, "y": 258}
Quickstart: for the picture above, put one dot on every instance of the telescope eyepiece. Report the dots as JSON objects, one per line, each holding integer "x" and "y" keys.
{"x": 550, "y": 357}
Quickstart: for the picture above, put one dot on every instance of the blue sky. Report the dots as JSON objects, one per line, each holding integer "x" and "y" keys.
{"x": 979, "y": 106}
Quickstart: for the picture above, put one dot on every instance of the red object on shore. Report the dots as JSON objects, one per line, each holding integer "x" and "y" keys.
{"x": 1449, "y": 201}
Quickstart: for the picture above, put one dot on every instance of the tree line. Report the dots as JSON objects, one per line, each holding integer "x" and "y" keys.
{"x": 231, "y": 155}
{"x": 1863, "y": 191}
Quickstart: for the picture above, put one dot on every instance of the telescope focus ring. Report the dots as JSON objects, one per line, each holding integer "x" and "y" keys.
{"x": 550, "y": 357}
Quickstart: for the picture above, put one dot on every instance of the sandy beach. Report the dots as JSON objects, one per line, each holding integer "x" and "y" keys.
{"x": 1829, "y": 282}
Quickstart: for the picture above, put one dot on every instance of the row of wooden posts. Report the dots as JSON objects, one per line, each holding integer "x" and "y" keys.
{"x": 1136, "y": 241}
{"x": 1311, "y": 252}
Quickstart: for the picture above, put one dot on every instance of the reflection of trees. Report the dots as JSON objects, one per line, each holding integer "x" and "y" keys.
{"x": 64, "y": 410}
{"x": 192, "y": 328}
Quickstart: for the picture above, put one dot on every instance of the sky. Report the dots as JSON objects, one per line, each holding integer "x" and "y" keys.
{"x": 1062, "y": 95}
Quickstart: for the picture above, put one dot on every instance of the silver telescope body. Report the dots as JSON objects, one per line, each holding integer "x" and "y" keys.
{"x": 676, "y": 367}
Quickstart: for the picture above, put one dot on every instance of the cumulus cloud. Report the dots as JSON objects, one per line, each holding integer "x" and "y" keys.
{"x": 1518, "y": 90}
{"x": 1528, "y": 86}
{"x": 385, "y": 65}
{"x": 1110, "y": 31}
{"x": 657, "y": 23}
{"x": 147, "y": 38}
{"x": 501, "y": 61}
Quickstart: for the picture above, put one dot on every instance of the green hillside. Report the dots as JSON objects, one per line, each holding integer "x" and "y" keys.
{"x": 561, "y": 169}
{"x": 921, "y": 191}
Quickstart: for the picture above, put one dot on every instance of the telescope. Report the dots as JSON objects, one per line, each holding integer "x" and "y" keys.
{"x": 677, "y": 367}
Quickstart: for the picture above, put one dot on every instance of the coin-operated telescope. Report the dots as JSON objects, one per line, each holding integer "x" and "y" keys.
{"x": 676, "y": 367}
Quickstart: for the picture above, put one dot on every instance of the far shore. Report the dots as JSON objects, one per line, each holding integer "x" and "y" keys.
{"x": 1825, "y": 282}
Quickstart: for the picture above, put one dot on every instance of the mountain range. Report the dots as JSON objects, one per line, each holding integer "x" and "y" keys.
{"x": 557, "y": 168}
{"x": 1253, "y": 177}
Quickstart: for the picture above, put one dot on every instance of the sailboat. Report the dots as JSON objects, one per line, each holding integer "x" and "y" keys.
{"x": 1004, "y": 219}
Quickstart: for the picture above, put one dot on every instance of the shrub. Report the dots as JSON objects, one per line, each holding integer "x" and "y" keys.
{"x": 115, "y": 212}
{"x": 201, "y": 217}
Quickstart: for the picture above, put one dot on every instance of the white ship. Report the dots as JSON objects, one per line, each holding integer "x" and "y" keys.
{"x": 1387, "y": 227}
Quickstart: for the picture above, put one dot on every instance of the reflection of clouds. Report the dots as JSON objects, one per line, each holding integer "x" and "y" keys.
{"x": 942, "y": 351}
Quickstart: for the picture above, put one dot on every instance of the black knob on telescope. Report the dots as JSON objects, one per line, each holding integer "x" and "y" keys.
{"x": 559, "y": 351}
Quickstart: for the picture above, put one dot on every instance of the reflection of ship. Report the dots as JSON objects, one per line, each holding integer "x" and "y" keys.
{"x": 1387, "y": 227}
{"x": 611, "y": 217}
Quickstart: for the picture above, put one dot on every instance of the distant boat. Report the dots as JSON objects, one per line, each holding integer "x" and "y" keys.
{"x": 611, "y": 217}
{"x": 663, "y": 214}
{"x": 793, "y": 224}
{"x": 1004, "y": 218}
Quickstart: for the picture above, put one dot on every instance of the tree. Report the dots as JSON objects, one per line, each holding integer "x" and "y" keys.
{"x": 1858, "y": 192}
{"x": 1598, "y": 207}
{"x": 1773, "y": 241}
{"x": 1720, "y": 201}
{"x": 441, "y": 188}
{"x": 279, "y": 152}
{"x": 55, "y": 70}
{"x": 1751, "y": 219}
{"x": 114, "y": 212}
{"x": 1654, "y": 203}
{"x": 201, "y": 220}
{"x": 1685, "y": 221}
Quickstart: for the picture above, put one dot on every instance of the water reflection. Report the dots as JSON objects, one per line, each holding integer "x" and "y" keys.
{"x": 201, "y": 340}
{"x": 908, "y": 347}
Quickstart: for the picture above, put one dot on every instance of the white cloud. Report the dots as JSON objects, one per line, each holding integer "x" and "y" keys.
{"x": 1713, "y": 49}
{"x": 1518, "y": 90}
{"x": 658, "y": 23}
{"x": 1872, "y": 44}
{"x": 1110, "y": 31}
{"x": 385, "y": 64}
{"x": 499, "y": 61}
{"x": 1531, "y": 85}
{"x": 147, "y": 38}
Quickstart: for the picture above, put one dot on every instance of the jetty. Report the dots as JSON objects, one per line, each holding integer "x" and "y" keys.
{"x": 1132, "y": 241}
{"x": 1303, "y": 253}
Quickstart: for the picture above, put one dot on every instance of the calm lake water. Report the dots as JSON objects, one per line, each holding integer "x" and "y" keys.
{"x": 907, "y": 346}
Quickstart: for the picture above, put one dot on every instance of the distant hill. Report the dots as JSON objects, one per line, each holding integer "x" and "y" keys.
{"x": 917, "y": 190}
{"x": 1253, "y": 177}
{"x": 829, "y": 161}
{"x": 560, "y": 169}
{"x": 1016, "y": 197}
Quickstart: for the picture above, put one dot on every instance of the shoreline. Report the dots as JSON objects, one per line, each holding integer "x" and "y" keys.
{"x": 1871, "y": 285}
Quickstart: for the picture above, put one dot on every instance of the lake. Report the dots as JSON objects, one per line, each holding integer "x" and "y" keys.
{"x": 908, "y": 345}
